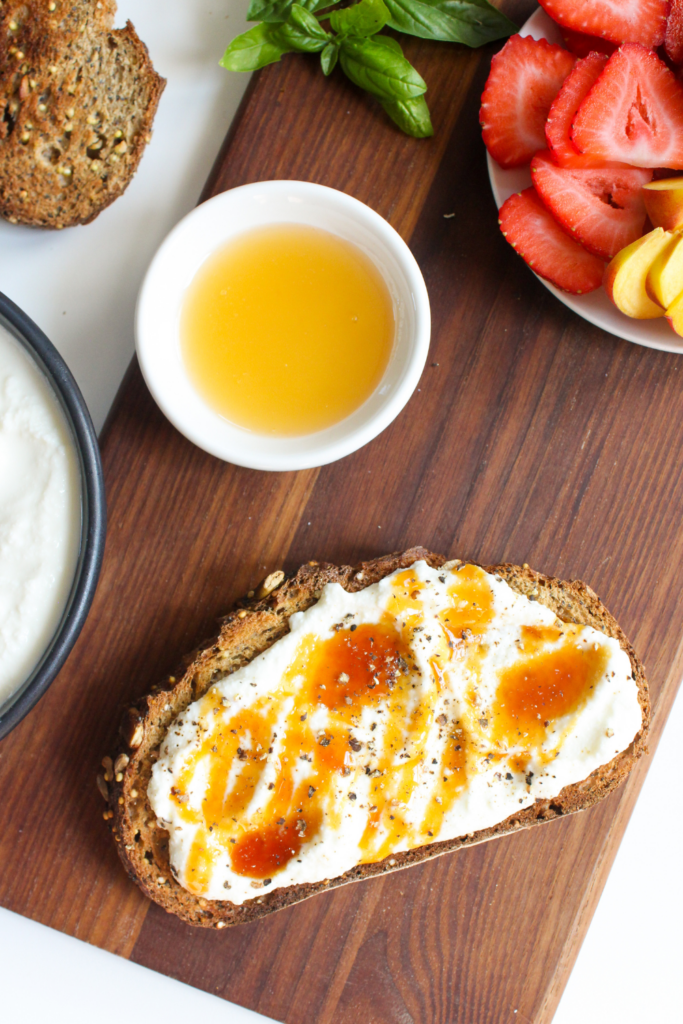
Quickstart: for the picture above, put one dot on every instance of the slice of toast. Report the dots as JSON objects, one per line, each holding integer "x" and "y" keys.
{"x": 251, "y": 627}
{"x": 78, "y": 99}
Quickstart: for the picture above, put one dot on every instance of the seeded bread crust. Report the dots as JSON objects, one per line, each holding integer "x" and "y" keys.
{"x": 77, "y": 102}
{"x": 251, "y": 627}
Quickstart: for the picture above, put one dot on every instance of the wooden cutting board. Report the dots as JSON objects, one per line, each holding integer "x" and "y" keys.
{"x": 533, "y": 437}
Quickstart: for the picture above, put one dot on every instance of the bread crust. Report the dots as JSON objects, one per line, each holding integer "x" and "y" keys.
{"x": 78, "y": 99}
{"x": 251, "y": 627}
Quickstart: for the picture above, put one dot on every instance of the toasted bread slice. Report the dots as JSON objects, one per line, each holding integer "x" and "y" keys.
{"x": 250, "y": 628}
{"x": 78, "y": 99}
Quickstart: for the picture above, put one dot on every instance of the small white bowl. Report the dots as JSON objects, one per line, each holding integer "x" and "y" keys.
{"x": 208, "y": 228}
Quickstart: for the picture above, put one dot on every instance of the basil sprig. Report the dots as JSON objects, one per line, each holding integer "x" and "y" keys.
{"x": 380, "y": 70}
{"x": 472, "y": 22}
{"x": 372, "y": 61}
{"x": 363, "y": 19}
{"x": 254, "y": 49}
{"x": 267, "y": 42}
{"x": 412, "y": 116}
{"x": 278, "y": 10}
{"x": 303, "y": 32}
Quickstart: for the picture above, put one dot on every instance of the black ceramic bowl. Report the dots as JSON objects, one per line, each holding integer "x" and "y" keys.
{"x": 93, "y": 513}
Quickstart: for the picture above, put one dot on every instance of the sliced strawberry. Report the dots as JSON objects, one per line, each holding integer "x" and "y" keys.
{"x": 634, "y": 112}
{"x": 525, "y": 78}
{"x": 673, "y": 40}
{"x": 659, "y": 173}
{"x": 576, "y": 87}
{"x": 620, "y": 21}
{"x": 602, "y": 208}
{"x": 549, "y": 251}
{"x": 582, "y": 45}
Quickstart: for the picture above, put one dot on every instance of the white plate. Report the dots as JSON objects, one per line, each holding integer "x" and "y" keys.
{"x": 595, "y": 307}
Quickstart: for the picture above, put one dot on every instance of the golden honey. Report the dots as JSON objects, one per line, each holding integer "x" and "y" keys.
{"x": 287, "y": 329}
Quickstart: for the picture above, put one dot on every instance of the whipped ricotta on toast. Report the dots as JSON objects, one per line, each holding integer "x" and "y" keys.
{"x": 430, "y": 705}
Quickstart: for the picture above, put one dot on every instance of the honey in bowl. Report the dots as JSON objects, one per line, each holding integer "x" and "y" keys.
{"x": 287, "y": 330}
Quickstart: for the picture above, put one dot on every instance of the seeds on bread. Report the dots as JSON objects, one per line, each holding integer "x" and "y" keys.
{"x": 251, "y": 628}
{"x": 78, "y": 99}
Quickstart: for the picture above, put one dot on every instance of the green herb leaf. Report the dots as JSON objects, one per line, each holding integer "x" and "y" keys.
{"x": 374, "y": 62}
{"x": 266, "y": 43}
{"x": 380, "y": 69}
{"x": 389, "y": 41}
{"x": 328, "y": 58}
{"x": 473, "y": 22}
{"x": 306, "y": 23}
{"x": 411, "y": 116}
{"x": 254, "y": 49}
{"x": 363, "y": 19}
{"x": 269, "y": 10}
{"x": 278, "y": 10}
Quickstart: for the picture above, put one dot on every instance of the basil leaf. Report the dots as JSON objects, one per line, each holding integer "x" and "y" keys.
{"x": 389, "y": 41}
{"x": 328, "y": 58}
{"x": 254, "y": 49}
{"x": 379, "y": 69}
{"x": 278, "y": 10}
{"x": 363, "y": 19}
{"x": 411, "y": 116}
{"x": 303, "y": 32}
{"x": 266, "y": 43}
{"x": 472, "y": 22}
{"x": 269, "y": 10}
{"x": 307, "y": 22}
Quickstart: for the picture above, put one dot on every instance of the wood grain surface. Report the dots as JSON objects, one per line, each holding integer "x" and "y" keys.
{"x": 532, "y": 437}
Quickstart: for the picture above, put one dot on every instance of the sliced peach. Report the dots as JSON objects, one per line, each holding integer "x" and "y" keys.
{"x": 626, "y": 274}
{"x": 664, "y": 279}
{"x": 664, "y": 202}
{"x": 674, "y": 314}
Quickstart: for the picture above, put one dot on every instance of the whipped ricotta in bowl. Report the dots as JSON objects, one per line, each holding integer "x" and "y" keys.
{"x": 40, "y": 515}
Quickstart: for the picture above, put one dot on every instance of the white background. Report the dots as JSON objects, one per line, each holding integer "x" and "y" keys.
{"x": 80, "y": 287}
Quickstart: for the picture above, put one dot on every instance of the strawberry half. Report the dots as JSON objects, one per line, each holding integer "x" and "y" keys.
{"x": 576, "y": 87}
{"x": 673, "y": 40}
{"x": 620, "y": 21}
{"x": 525, "y": 78}
{"x": 602, "y": 208}
{"x": 633, "y": 113}
{"x": 582, "y": 45}
{"x": 550, "y": 252}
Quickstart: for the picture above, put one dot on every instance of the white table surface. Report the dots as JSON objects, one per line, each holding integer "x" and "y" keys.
{"x": 80, "y": 286}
